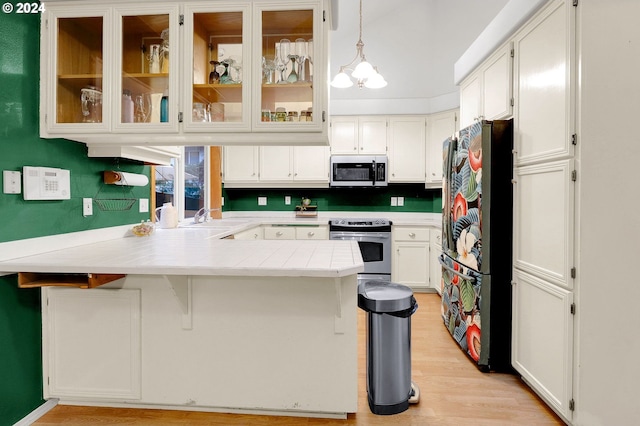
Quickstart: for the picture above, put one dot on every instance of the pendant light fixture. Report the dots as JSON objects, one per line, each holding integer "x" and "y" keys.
{"x": 364, "y": 73}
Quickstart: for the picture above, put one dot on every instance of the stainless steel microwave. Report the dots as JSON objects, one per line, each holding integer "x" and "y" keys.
{"x": 359, "y": 170}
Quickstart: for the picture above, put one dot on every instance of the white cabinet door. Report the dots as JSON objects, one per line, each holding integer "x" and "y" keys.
{"x": 256, "y": 233}
{"x": 407, "y": 147}
{"x": 470, "y": 100}
{"x": 435, "y": 269}
{"x": 542, "y": 338}
{"x": 312, "y": 233}
{"x": 410, "y": 257}
{"x": 344, "y": 135}
{"x": 311, "y": 163}
{"x": 276, "y": 164}
{"x": 240, "y": 164}
{"x": 543, "y": 122}
{"x": 497, "y": 84}
{"x": 92, "y": 345}
{"x": 372, "y": 131}
{"x": 279, "y": 233}
{"x": 359, "y": 135}
{"x": 440, "y": 126}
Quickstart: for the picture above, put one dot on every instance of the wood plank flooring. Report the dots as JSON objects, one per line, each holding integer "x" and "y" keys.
{"x": 452, "y": 392}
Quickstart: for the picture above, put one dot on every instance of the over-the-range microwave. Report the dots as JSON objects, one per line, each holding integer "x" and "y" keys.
{"x": 358, "y": 170}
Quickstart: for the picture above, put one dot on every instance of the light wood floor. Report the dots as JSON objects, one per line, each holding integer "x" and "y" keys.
{"x": 452, "y": 392}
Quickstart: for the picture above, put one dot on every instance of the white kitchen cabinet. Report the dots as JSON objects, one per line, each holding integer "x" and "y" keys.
{"x": 440, "y": 126}
{"x": 410, "y": 258}
{"x": 407, "y": 148}
{"x": 359, "y": 135}
{"x": 274, "y": 232}
{"x": 256, "y": 233}
{"x": 435, "y": 269}
{"x": 542, "y": 344}
{"x": 487, "y": 93}
{"x": 240, "y": 165}
{"x": 276, "y": 166}
{"x": 92, "y": 344}
{"x": 105, "y": 48}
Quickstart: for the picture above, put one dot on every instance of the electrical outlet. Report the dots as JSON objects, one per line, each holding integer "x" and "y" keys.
{"x": 287, "y": 200}
{"x": 221, "y": 201}
{"x": 262, "y": 201}
{"x": 143, "y": 207}
{"x": 87, "y": 207}
{"x": 394, "y": 201}
{"x": 400, "y": 201}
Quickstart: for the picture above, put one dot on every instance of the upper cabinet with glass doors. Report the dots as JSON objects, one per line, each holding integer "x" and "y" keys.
{"x": 183, "y": 73}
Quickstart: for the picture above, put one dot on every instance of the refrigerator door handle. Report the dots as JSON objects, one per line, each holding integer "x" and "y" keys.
{"x": 453, "y": 271}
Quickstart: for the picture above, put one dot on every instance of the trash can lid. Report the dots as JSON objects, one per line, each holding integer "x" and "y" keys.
{"x": 384, "y": 296}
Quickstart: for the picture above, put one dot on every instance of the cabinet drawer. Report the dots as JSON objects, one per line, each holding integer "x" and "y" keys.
{"x": 312, "y": 233}
{"x": 279, "y": 233}
{"x": 410, "y": 234}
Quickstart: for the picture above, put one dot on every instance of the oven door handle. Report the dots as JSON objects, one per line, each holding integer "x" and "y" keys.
{"x": 350, "y": 235}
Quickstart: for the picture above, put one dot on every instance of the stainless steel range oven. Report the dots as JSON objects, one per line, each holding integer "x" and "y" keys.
{"x": 373, "y": 237}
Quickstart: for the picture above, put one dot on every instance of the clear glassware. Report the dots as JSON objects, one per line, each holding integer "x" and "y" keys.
{"x": 310, "y": 57}
{"x": 301, "y": 52}
{"x": 142, "y": 108}
{"x": 269, "y": 69}
{"x": 284, "y": 55}
{"x": 235, "y": 62}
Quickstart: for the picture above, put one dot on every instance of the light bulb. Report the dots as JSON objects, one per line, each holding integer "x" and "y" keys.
{"x": 363, "y": 70}
{"x": 341, "y": 81}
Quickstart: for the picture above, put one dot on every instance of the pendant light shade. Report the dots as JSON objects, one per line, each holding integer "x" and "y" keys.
{"x": 362, "y": 71}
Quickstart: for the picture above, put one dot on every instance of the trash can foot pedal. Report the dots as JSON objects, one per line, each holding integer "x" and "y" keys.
{"x": 414, "y": 397}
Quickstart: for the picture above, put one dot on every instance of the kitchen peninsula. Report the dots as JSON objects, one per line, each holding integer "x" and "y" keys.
{"x": 199, "y": 322}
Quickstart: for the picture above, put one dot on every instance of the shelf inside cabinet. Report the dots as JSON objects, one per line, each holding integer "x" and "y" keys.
{"x": 37, "y": 279}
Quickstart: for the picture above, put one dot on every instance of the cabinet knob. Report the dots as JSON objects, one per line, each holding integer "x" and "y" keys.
{"x": 278, "y": 234}
{"x": 412, "y": 234}
{"x": 311, "y": 234}
{"x": 255, "y": 236}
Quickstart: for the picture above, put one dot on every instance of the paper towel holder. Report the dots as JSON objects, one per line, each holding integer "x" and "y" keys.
{"x": 112, "y": 177}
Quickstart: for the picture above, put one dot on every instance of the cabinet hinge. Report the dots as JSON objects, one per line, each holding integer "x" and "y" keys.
{"x": 210, "y": 47}
{"x": 573, "y": 272}
{"x": 513, "y": 52}
{"x": 575, "y": 3}
{"x": 573, "y": 309}
{"x": 572, "y": 405}
{"x": 179, "y": 117}
{"x": 46, "y": 23}
{"x": 574, "y": 139}
{"x": 324, "y": 116}
{"x": 574, "y": 175}
{"x": 324, "y": 16}
{"x": 181, "y": 20}
{"x": 513, "y": 102}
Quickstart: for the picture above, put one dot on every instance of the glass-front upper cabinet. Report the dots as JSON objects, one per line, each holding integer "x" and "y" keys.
{"x": 147, "y": 52}
{"x": 76, "y": 94}
{"x": 290, "y": 45}
{"x": 217, "y": 59}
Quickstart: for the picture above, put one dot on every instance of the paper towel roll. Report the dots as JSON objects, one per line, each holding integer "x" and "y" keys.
{"x": 124, "y": 178}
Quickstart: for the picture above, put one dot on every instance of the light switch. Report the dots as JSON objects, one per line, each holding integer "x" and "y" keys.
{"x": 400, "y": 201}
{"x": 11, "y": 182}
{"x": 87, "y": 207}
{"x": 394, "y": 201}
{"x": 262, "y": 201}
{"x": 287, "y": 200}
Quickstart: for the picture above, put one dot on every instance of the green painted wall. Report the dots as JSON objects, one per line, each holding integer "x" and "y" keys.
{"x": 416, "y": 199}
{"x": 20, "y": 145}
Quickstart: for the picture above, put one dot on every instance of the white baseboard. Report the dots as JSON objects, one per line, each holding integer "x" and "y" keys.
{"x": 38, "y": 412}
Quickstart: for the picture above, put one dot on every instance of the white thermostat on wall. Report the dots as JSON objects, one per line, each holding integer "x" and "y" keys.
{"x": 45, "y": 183}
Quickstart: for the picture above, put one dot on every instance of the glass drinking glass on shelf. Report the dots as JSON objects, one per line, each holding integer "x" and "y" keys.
{"x": 142, "y": 108}
{"x": 310, "y": 57}
{"x": 235, "y": 62}
{"x": 268, "y": 70}
{"x": 285, "y": 57}
{"x": 301, "y": 52}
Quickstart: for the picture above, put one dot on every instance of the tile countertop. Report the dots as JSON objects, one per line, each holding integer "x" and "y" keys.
{"x": 198, "y": 249}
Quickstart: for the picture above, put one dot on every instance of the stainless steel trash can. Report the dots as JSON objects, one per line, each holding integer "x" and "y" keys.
{"x": 389, "y": 307}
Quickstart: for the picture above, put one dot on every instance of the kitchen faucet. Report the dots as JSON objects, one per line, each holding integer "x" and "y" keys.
{"x": 203, "y": 214}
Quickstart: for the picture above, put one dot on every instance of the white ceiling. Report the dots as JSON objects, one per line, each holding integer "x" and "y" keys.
{"x": 414, "y": 44}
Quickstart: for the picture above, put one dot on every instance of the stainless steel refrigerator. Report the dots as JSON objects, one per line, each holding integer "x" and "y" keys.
{"x": 477, "y": 241}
